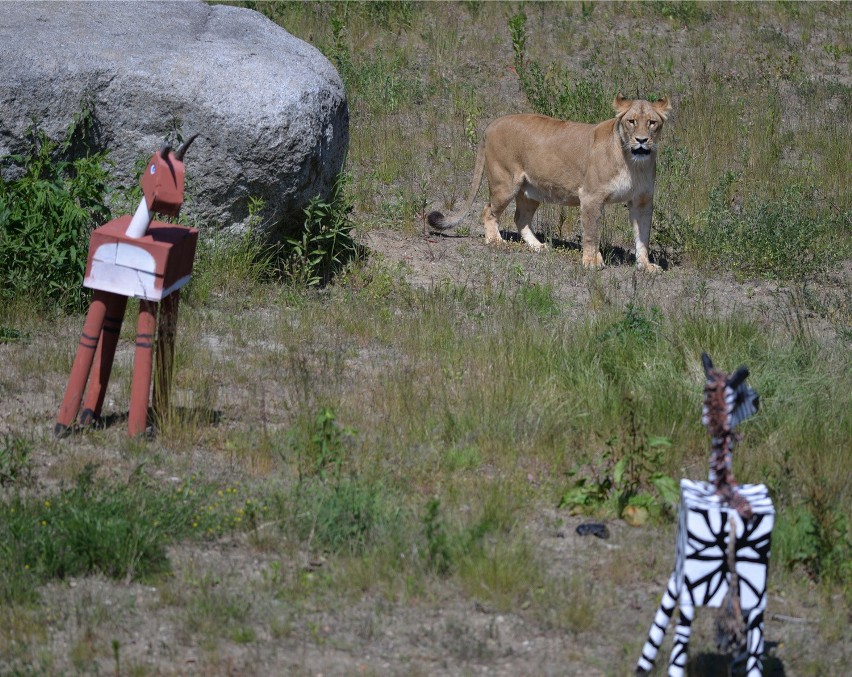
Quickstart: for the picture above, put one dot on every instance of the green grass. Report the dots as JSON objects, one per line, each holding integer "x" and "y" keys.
{"x": 120, "y": 530}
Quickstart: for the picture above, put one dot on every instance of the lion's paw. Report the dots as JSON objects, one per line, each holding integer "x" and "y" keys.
{"x": 593, "y": 262}
{"x": 648, "y": 267}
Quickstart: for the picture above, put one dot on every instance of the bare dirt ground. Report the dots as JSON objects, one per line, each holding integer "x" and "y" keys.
{"x": 435, "y": 257}
{"x": 99, "y": 626}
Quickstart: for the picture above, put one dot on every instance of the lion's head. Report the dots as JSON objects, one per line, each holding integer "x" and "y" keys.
{"x": 640, "y": 123}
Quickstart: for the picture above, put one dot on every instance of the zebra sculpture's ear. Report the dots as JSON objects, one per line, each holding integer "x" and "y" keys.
{"x": 708, "y": 363}
{"x": 738, "y": 377}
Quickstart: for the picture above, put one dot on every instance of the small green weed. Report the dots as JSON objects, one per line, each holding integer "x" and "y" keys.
{"x": 686, "y": 12}
{"x": 518, "y": 30}
{"x": 320, "y": 448}
{"x": 327, "y": 509}
{"x": 438, "y": 553}
{"x": 539, "y": 299}
{"x": 12, "y": 335}
{"x": 637, "y": 323}
{"x": 15, "y": 464}
{"x": 552, "y": 91}
{"x": 346, "y": 517}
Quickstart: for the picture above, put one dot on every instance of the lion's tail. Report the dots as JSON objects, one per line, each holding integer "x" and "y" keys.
{"x": 437, "y": 220}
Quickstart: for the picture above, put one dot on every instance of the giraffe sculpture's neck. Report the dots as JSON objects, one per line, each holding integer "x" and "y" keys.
{"x": 719, "y": 400}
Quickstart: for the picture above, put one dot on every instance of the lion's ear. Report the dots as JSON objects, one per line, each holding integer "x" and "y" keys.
{"x": 621, "y": 105}
{"x": 663, "y": 107}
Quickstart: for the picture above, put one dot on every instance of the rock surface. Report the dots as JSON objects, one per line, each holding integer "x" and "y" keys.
{"x": 270, "y": 109}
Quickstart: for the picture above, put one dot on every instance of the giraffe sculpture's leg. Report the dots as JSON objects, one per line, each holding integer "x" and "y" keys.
{"x": 89, "y": 339}
{"x": 754, "y": 639}
{"x": 165, "y": 353}
{"x": 104, "y": 357}
{"x": 677, "y": 662}
{"x": 658, "y": 627}
{"x": 140, "y": 389}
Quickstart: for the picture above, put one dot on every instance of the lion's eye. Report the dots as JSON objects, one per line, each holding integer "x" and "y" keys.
{"x": 632, "y": 122}
{"x": 651, "y": 123}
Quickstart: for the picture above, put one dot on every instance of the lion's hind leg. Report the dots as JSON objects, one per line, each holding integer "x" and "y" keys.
{"x": 491, "y": 224}
{"x": 524, "y": 211}
{"x": 503, "y": 188}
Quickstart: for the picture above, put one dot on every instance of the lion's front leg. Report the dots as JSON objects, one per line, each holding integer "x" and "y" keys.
{"x": 640, "y": 219}
{"x": 590, "y": 217}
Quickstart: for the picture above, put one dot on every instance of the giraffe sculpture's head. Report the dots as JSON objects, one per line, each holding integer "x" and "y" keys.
{"x": 728, "y": 400}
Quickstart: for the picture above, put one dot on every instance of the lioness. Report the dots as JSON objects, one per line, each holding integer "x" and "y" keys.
{"x": 533, "y": 159}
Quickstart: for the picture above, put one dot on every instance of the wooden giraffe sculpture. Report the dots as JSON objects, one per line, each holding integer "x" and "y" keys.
{"x": 723, "y": 540}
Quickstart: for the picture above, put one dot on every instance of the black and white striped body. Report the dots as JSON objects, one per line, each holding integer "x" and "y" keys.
{"x": 701, "y": 574}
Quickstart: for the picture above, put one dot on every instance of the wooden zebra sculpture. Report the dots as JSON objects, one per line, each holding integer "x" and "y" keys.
{"x": 723, "y": 540}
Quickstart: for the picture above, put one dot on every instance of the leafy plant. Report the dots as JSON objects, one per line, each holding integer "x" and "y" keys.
{"x": 686, "y": 12}
{"x": 320, "y": 451}
{"x": 47, "y": 213}
{"x": 12, "y": 335}
{"x": 636, "y": 323}
{"x": 626, "y": 481}
{"x": 347, "y": 516}
{"x": 539, "y": 299}
{"x": 554, "y": 92}
{"x": 325, "y": 245}
{"x": 518, "y": 30}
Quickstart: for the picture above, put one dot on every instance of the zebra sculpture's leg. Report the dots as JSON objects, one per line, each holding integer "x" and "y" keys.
{"x": 677, "y": 662}
{"x": 658, "y": 627}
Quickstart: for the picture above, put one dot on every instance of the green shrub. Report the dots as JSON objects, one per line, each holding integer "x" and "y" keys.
{"x": 118, "y": 529}
{"x": 47, "y": 214}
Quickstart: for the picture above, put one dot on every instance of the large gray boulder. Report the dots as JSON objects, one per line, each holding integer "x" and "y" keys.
{"x": 270, "y": 109}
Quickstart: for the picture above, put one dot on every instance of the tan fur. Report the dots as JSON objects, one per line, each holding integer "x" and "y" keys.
{"x": 533, "y": 159}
